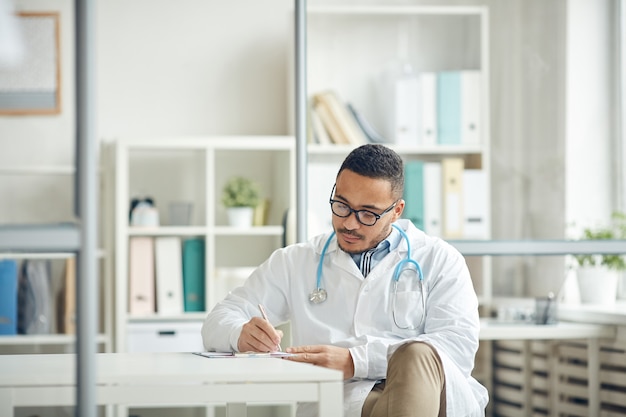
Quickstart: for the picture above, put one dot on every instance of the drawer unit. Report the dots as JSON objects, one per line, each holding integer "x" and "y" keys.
{"x": 166, "y": 336}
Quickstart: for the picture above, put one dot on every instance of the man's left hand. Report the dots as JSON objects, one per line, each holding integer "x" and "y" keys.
{"x": 332, "y": 357}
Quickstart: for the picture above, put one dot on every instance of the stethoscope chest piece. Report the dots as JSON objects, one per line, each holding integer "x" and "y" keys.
{"x": 318, "y": 296}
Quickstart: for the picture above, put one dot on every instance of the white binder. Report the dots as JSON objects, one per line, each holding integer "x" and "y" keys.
{"x": 470, "y": 108}
{"x": 169, "y": 275}
{"x": 474, "y": 204}
{"x": 428, "y": 107}
{"x": 432, "y": 199}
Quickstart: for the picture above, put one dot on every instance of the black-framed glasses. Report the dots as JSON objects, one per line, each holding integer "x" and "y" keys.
{"x": 365, "y": 217}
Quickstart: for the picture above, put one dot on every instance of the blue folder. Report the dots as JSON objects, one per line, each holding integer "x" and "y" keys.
{"x": 449, "y": 103}
{"x": 8, "y": 296}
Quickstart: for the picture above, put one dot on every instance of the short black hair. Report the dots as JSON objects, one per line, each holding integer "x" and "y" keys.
{"x": 377, "y": 161}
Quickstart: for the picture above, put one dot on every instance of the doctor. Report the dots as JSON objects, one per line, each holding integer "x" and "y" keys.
{"x": 405, "y": 340}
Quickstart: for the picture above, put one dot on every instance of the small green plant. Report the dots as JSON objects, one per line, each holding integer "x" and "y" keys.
{"x": 240, "y": 192}
{"x": 616, "y": 230}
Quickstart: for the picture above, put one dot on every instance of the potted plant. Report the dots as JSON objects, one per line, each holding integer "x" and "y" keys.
{"x": 598, "y": 274}
{"x": 240, "y": 196}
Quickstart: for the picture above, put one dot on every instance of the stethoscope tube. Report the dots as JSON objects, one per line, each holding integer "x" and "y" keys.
{"x": 319, "y": 295}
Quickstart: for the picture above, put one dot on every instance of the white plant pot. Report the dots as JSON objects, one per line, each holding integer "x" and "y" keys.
{"x": 240, "y": 216}
{"x": 597, "y": 285}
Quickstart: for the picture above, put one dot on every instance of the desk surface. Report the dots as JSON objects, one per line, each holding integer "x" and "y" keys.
{"x": 594, "y": 313}
{"x": 133, "y": 368}
{"x": 494, "y": 330}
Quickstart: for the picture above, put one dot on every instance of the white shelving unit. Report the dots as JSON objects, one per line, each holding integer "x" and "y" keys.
{"x": 348, "y": 50}
{"x": 194, "y": 170}
{"x": 54, "y": 242}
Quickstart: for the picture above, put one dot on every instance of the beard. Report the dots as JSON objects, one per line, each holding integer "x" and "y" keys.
{"x": 372, "y": 244}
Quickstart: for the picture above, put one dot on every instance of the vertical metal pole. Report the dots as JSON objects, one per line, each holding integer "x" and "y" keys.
{"x": 86, "y": 173}
{"x": 301, "y": 111}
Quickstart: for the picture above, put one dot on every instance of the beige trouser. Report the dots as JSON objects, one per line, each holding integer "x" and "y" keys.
{"x": 415, "y": 385}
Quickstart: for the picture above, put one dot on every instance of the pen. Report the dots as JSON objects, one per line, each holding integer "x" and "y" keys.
{"x": 264, "y": 314}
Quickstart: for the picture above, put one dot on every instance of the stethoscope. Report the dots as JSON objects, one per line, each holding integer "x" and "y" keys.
{"x": 319, "y": 295}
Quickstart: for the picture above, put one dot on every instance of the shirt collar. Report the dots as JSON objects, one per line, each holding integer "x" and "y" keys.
{"x": 390, "y": 243}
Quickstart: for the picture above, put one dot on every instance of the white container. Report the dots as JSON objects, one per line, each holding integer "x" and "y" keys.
{"x": 597, "y": 285}
{"x": 240, "y": 216}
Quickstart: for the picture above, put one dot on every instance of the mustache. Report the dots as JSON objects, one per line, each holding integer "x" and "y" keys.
{"x": 349, "y": 232}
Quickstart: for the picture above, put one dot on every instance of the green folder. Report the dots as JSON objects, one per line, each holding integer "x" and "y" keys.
{"x": 193, "y": 274}
{"x": 414, "y": 193}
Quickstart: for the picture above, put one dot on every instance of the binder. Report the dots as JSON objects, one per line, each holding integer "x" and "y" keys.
{"x": 475, "y": 204}
{"x": 428, "y": 109}
{"x": 141, "y": 276}
{"x": 34, "y": 314}
{"x": 432, "y": 198}
{"x": 470, "y": 107}
{"x": 67, "y": 299}
{"x": 449, "y": 108}
{"x": 8, "y": 297}
{"x": 414, "y": 193}
{"x": 324, "y": 175}
{"x": 193, "y": 274}
{"x": 452, "y": 180}
{"x": 406, "y": 110}
{"x": 169, "y": 275}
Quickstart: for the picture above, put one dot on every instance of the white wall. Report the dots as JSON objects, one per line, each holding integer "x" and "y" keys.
{"x": 190, "y": 67}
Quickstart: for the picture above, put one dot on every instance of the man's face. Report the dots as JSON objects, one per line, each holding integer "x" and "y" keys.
{"x": 364, "y": 193}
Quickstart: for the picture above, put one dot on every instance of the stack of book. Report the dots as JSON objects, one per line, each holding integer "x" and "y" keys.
{"x": 336, "y": 122}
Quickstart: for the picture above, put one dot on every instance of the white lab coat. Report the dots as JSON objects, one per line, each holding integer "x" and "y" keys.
{"x": 358, "y": 313}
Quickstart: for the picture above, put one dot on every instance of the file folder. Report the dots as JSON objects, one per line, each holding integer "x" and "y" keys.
{"x": 432, "y": 198}
{"x": 8, "y": 297}
{"x": 141, "y": 276}
{"x": 452, "y": 178}
{"x": 449, "y": 108}
{"x": 414, "y": 193}
{"x": 193, "y": 274}
{"x": 475, "y": 204}
{"x": 169, "y": 275}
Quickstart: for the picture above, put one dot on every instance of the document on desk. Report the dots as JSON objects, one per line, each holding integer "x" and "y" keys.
{"x": 245, "y": 354}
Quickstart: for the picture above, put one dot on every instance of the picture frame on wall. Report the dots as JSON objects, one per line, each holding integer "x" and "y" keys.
{"x": 32, "y": 84}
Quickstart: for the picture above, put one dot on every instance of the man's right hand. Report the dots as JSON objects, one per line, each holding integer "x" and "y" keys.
{"x": 258, "y": 335}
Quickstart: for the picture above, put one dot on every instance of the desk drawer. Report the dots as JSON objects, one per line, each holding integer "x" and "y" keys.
{"x": 164, "y": 337}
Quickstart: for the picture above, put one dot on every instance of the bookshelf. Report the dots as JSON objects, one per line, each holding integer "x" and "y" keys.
{"x": 351, "y": 48}
{"x": 193, "y": 170}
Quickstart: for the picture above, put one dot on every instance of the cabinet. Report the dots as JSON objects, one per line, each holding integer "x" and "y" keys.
{"x": 194, "y": 170}
{"x": 351, "y": 48}
{"x": 36, "y": 234}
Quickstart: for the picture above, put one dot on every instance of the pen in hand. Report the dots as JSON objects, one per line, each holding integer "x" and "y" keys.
{"x": 264, "y": 314}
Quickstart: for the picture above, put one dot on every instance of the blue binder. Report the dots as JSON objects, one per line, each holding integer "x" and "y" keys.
{"x": 449, "y": 108}
{"x": 8, "y": 296}
{"x": 193, "y": 275}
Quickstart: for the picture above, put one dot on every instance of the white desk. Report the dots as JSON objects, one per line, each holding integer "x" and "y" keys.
{"x": 493, "y": 330}
{"x": 169, "y": 379}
